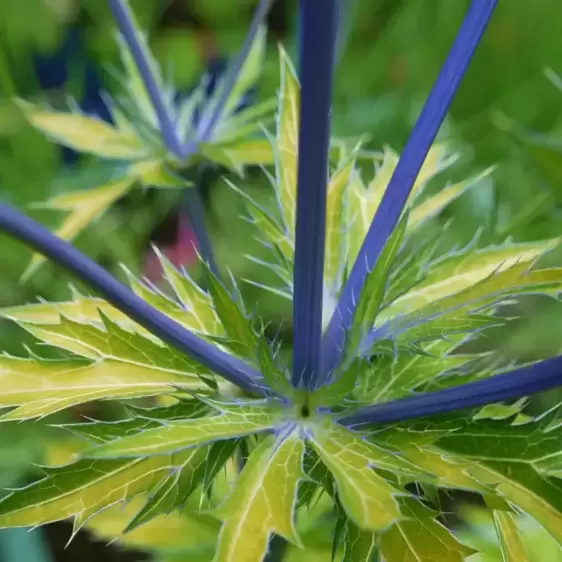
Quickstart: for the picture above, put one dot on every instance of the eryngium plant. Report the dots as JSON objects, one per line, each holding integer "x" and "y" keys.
{"x": 341, "y": 450}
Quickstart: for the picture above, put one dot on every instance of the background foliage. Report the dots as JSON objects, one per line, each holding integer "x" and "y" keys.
{"x": 507, "y": 113}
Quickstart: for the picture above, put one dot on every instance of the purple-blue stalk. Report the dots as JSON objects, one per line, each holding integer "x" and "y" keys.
{"x": 316, "y": 67}
{"x": 405, "y": 174}
{"x": 312, "y": 179}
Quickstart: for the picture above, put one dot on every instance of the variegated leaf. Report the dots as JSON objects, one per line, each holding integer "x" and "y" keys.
{"x": 263, "y": 500}
{"x": 83, "y": 207}
{"x": 368, "y": 499}
{"x": 85, "y": 134}
{"x": 83, "y": 489}
{"x": 234, "y": 421}
{"x": 334, "y": 263}
{"x": 287, "y": 142}
{"x": 454, "y": 274}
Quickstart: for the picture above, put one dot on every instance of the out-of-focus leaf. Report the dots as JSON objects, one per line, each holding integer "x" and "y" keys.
{"x": 85, "y": 134}
{"x": 84, "y": 207}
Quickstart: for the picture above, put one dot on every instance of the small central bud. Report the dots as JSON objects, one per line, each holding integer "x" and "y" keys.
{"x": 305, "y": 411}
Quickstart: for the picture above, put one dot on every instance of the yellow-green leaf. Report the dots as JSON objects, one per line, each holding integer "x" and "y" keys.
{"x": 82, "y": 489}
{"x": 41, "y": 387}
{"x": 368, "y": 499}
{"x": 454, "y": 274}
{"x": 435, "y": 204}
{"x": 287, "y": 141}
{"x": 177, "y": 435}
{"x": 252, "y": 152}
{"x": 157, "y": 173}
{"x": 510, "y": 540}
{"x": 84, "y": 207}
{"x": 335, "y": 226}
{"x": 249, "y": 73}
{"x": 82, "y": 310}
{"x": 448, "y": 472}
{"x": 372, "y": 294}
{"x": 85, "y": 134}
{"x": 178, "y": 309}
{"x": 194, "y": 299}
{"x": 263, "y": 500}
{"x": 365, "y": 200}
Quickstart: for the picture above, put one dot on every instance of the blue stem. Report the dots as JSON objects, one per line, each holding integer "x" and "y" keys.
{"x": 402, "y": 181}
{"x": 318, "y": 44}
{"x": 123, "y": 17}
{"x": 195, "y": 212}
{"x": 210, "y": 120}
{"x": 545, "y": 375}
{"x": 23, "y": 228}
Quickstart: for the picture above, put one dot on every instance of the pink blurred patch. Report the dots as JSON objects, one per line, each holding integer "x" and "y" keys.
{"x": 181, "y": 253}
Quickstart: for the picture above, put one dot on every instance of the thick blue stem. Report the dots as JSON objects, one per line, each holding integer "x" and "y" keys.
{"x": 122, "y": 15}
{"x": 402, "y": 181}
{"x": 318, "y": 44}
{"x": 23, "y": 228}
{"x": 545, "y": 375}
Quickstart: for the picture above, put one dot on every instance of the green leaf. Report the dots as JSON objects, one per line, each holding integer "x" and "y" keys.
{"x": 372, "y": 294}
{"x": 368, "y": 499}
{"x": 357, "y": 544}
{"x": 82, "y": 489}
{"x": 420, "y": 538}
{"x": 230, "y": 311}
{"x": 83, "y": 207}
{"x": 388, "y": 376}
{"x": 193, "y": 299}
{"x": 85, "y": 134}
{"x": 263, "y": 500}
{"x": 201, "y": 465}
{"x": 98, "y": 432}
{"x": 222, "y": 156}
{"x": 521, "y": 463}
{"x": 106, "y": 340}
{"x": 234, "y": 421}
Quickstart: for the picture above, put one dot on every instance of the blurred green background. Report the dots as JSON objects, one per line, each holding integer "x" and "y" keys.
{"x": 508, "y": 112}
